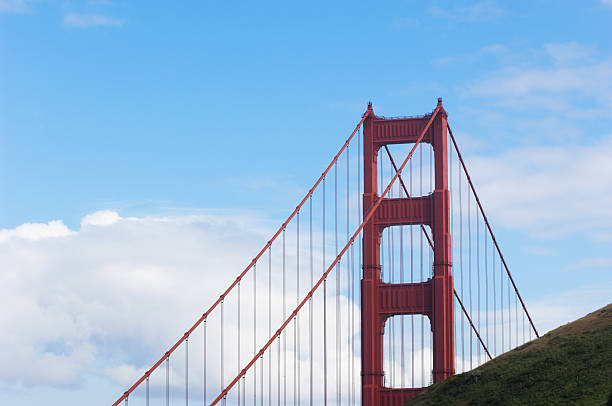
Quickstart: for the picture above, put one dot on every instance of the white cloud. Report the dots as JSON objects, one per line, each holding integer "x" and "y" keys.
{"x": 567, "y": 52}
{"x": 518, "y": 81}
{"x": 73, "y": 299}
{"x": 495, "y": 50}
{"x": 79, "y": 20}
{"x": 548, "y": 191}
{"x": 36, "y": 231}
{"x": 552, "y": 311}
{"x": 570, "y": 82}
{"x": 539, "y": 250}
{"x": 108, "y": 299}
{"x": 480, "y": 11}
{"x": 101, "y": 218}
{"x": 15, "y": 6}
{"x": 590, "y": 263}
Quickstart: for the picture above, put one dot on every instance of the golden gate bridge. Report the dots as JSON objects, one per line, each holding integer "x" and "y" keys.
{"x": 386, "y": 277}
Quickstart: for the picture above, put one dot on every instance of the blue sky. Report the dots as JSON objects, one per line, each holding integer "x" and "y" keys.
{"x": 169, "y": 109}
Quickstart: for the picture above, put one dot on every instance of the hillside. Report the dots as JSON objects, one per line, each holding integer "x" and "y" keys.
{"x": 571, "y": 365}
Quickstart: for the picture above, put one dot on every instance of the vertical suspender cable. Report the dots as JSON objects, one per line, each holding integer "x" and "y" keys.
{"x": 187, "y": 371}
{"x": 383, "y": 263}
{"x": 350, "y": 383}
{"x": 310, "y": 315}
{"x": 523, "y": 314}
{"x": 222, "y": 341}
{"x": 495, "y": 352}
{"x": 380, "y": 189}
{"x": 270, "y": 324}
{"x": 461, "y": 269}
{"x": 401, "y": 269}
{"x": 284, "y": 317}
{"x": 337, "y": 352}
{"x": 390, "y": 321}
{"x": 411, "y": 281}
{"x": 529, "y": 334}
{"x": 297, "y": 302}
{"x": 204, "y": 341}
{"x": 478, "y": 279}
{"x": 422, "y": 278}
{"x": 325, "y": 341}
{"x": 383, "y": 272}
{"x": 254, "y": 334}
{"x": 509, "y": 318}
{"x": 486, "y": 271}
{"x": 451, "y": 191}
{"x": 431, "y": 260}
{"x": 348, "y": 275}
{"x": 501, "y": 304}
{"x": 386, "y": 266}
{"x": 238, "y": 351}
{"x": 147, "y": 392}
{"x": 244, "y": 391}
{"x": 168, "y": 380}
{"x": 359, "y": 251}
{"x": 324, "y": 310}
{"x": 469, "y": 231}
{"x": 351, "y": 320}
{"x": 516, "y": 320}
{"x": 278, "y": 372}
{"x": 392, "y": 280}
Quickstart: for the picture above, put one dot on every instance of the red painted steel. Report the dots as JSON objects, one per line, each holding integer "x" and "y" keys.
{"x": 397, "y": 396}
{"x": 402, "y": 211}
{"x": 405, "y": 298}
{"x": 433, "y": 210}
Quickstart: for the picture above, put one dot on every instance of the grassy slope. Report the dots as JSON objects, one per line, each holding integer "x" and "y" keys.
{"x": 571, "y": 365}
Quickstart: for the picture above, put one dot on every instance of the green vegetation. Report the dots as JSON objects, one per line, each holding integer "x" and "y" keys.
{"x": 571, "y": 365}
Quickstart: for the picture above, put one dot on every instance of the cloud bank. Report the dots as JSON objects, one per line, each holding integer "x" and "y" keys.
{"x": 116, "y": 289}
{"x": 85, "y": 20}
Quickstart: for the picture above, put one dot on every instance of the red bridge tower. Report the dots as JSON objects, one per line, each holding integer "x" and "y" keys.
{"x": 434, "y": 297}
